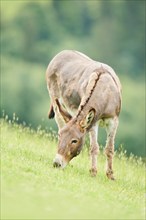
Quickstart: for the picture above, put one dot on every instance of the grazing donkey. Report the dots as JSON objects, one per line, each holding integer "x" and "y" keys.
{"x": 84, "y": 94}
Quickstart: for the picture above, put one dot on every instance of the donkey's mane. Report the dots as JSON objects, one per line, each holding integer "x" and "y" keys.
{"x": 99, "y": 72}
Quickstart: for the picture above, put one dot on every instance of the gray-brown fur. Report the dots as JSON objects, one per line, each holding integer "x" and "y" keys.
{"x": 83, "y": 93}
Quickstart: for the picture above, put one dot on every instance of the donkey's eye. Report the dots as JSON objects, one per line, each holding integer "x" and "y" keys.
{"x": 74, "y": 141}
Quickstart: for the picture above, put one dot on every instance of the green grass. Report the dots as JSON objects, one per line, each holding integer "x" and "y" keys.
{"x": 32, "y": 189}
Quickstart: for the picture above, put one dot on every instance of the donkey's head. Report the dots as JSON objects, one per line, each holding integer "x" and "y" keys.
{"x": 71, "y": 136}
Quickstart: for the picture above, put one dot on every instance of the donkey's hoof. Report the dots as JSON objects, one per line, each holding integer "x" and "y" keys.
{"x": 93, "y": 172}
{"x": 110, "y": 175}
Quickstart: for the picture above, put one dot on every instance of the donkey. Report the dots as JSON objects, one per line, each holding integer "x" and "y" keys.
{"x": 85, "y": 94}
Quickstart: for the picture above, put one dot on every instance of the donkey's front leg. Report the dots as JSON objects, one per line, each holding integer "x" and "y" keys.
{"x": 94, "y": 149}
{"x": 111, "y": 129}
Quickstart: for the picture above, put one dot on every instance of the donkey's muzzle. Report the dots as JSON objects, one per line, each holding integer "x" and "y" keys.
{"x": 58, "y": 161}
{"x": 56, "y": 164}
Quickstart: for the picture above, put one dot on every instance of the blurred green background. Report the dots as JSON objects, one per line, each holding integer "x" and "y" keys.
{"x": 32, "y": 32}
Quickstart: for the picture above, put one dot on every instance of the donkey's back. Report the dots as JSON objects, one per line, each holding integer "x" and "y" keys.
{"x": 68, "y": 75}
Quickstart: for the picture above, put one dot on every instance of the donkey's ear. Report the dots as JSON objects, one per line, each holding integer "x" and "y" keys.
{"x": 66, "y": 116}
{"x": 86, "y": 122}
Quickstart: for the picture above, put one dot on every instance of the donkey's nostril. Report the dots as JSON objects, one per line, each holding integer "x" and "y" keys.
{"x": 56, "y": 164}
{"x": 57, "y": 161}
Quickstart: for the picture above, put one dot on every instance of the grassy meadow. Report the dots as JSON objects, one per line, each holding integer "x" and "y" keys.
{"x": 32, "y": 189}
{"x": 32, "y": 33}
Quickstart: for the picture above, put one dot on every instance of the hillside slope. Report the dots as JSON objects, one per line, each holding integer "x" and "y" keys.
{"x": 32, "y": 189}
